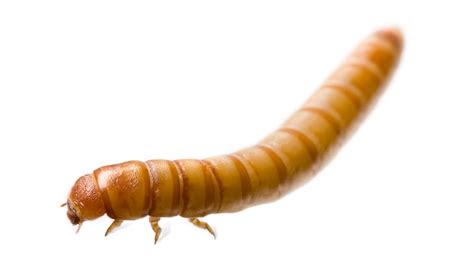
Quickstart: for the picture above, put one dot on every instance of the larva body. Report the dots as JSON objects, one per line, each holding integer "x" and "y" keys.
{"x": 261, "y": 173}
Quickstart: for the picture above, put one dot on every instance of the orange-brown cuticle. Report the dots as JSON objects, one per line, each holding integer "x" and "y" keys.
{"x": 124, "y": 189}
{"x": 85, "y": 202}
{"x": 393, "y": 35}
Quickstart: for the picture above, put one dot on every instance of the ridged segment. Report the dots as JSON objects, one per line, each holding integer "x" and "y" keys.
{"x": 310, "y": 147}
{"x": 125, "y": 189}
{"x": 210, "y": 197}
{"x": 326, "y": 114}
{"x": 105, "y": 198}
{"x": 277, "y": 162}
{"x": 245, "y": 184}
{"x": 177, "y": 185}
{"x": 165, "y": 200}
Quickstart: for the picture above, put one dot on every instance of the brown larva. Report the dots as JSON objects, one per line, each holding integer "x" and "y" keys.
{"x": 261, "y": 173}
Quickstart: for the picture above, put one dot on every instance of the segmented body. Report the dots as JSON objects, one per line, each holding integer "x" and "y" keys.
{"x": 261, "y": 173}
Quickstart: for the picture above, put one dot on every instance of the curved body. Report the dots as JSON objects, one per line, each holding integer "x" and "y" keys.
{"x": 261, "y": 173}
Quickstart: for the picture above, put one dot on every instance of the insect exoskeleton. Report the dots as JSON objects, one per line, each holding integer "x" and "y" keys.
{"x": 281, "y": 162}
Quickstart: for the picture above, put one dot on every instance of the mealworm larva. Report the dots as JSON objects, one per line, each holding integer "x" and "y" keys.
{"x": 258, "y": 174}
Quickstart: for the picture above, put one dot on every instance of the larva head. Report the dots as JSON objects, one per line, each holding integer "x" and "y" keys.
{"x": 84, "y": 201}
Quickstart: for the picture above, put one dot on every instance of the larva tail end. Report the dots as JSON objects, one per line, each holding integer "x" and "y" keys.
{"x": 393, "y": 35}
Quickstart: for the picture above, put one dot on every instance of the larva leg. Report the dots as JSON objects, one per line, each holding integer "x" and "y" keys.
{"x": 79, "y": 227}
{"x": 115, "y": 224}
{"x": 155, "y": 226}
{"x": 203, "y": 225}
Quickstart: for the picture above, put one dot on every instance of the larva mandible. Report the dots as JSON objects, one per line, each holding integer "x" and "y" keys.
{"x": 261, "y": 173}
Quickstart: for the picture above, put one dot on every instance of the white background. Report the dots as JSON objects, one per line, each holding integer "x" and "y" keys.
{"x": 90, "y": 83}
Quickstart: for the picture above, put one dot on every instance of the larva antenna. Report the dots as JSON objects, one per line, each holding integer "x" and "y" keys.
{"x": 63, "y": 204}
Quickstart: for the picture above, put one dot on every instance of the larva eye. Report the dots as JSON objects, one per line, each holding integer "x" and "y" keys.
{"x": 72, "y": 215}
